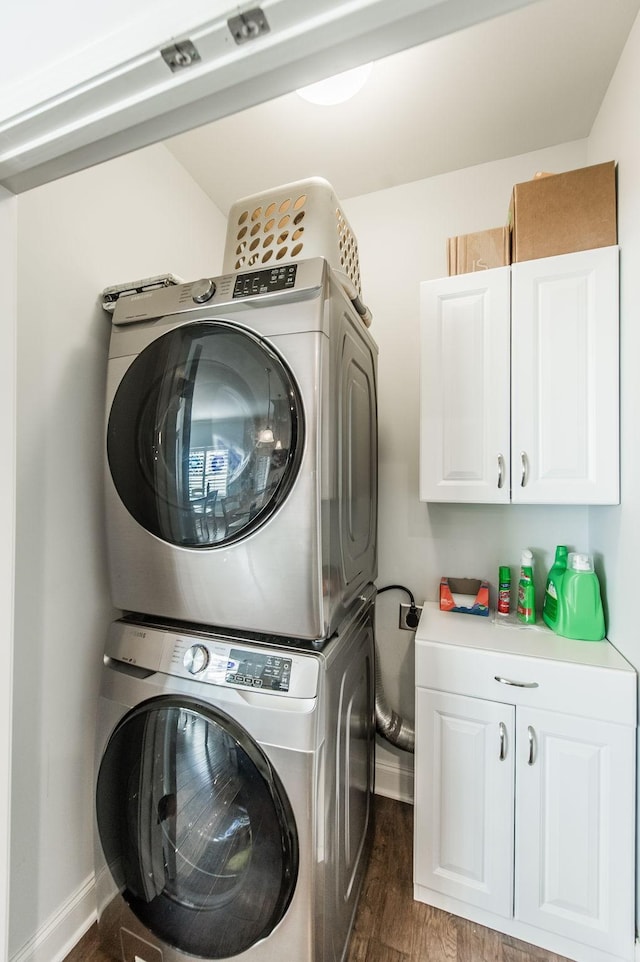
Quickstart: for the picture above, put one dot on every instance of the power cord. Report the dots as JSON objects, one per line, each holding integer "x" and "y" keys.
{"x": 413, "y": 615}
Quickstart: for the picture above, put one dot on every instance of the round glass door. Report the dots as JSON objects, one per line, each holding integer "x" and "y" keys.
{"x": 196, "y": 828}
{"x": 205, "y": 435}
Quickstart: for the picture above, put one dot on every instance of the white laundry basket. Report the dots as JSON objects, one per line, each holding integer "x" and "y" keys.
{"x": 298, "y": 220}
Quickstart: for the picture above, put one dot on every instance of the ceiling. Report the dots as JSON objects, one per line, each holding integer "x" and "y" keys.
{"x": 520, "y": 82}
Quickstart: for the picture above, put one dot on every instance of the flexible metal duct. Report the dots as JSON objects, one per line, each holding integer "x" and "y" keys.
{"x": 394, "y": 729}
{"x": 389, "y": 724}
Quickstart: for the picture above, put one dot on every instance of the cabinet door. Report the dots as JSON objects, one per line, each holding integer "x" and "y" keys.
{"x": 575, "y": 828}
{"x": 464, "y": 387}
{"x": 463, "y": 840}
{"x": 565, "y": 394}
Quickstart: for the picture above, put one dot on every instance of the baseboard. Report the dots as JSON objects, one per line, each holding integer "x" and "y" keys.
{"x": 54, "y": 940}
{"x": 394, "y": 781}
{"x": 637, "y": 951}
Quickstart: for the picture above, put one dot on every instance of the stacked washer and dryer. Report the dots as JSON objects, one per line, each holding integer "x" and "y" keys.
{"x": 236, "y": 719}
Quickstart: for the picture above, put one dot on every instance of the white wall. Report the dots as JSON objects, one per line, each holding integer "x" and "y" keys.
{"x": 402, "y": 236}
{"x": 615, "y": 532}
{"x": 134, "y": 217}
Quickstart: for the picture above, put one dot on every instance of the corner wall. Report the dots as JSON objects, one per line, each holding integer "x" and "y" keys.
{"x": 135, "y": 217}
{"x": 615, "y": 532}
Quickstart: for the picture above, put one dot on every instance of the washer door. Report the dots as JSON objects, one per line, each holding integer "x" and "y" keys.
{"x": 205, "y": 435}
{"x": 196, "y": 828}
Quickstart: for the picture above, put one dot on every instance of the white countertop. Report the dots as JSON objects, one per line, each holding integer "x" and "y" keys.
{"x": 506, "y": 635}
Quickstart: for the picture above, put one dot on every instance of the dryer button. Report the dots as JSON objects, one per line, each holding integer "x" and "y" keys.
{"x": 202, "y": 291}
{"x": 196, "y": 659}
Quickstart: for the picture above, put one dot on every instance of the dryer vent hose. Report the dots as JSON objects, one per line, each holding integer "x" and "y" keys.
{"x": 389, "y": 724}
{"x": 394, "y": 729}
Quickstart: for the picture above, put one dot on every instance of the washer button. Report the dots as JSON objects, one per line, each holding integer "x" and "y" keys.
{"x": 203, "y": 290}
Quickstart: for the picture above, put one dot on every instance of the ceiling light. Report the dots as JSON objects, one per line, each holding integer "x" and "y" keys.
{"x": 337, "y": 89}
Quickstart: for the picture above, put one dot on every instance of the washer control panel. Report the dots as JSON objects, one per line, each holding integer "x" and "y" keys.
{"x": 259, "y": 669}
{"x": 215, "y": 661}
{"x": 224, "y": 664}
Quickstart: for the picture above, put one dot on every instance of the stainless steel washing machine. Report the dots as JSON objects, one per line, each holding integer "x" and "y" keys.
{"x": 233, "y": 793}
{"x": 241, "y": 488}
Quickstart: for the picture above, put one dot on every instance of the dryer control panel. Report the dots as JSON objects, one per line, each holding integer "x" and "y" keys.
{"x": 215, "y": 661}
{"x": 265, "y": 281}
{"x": 302, "y": 279}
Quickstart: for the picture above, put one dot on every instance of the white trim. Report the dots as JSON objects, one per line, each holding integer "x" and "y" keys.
{"x": 8, "y": 313}
{"x": 98, "y": 51}
{"x": 394, "y": 781}
{"x": 63, "y": 930}
{"x": 140, "y": 101}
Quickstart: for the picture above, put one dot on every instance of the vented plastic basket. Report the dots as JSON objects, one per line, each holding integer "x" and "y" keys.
{"x": 298, "y": 220}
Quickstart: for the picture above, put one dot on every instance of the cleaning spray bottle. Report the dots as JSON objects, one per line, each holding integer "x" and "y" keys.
{"x": 504, "y": 590}
{"x": 526, "y": 590}
{"x": 553, "y": 589}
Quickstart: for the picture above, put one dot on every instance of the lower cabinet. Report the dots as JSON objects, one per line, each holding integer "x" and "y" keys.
{"x": 525, "y": 789}
{"x": 465, "y": 799}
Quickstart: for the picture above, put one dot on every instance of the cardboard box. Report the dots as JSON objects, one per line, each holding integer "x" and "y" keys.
{"x": 561, "y": 213}
{"x": 478, "y": 252}
{"x": 467, "y": 595}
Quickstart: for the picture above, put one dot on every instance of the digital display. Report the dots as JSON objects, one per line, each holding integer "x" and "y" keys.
{"x": 265, "y": 281}
{"x": 258, "y": 670}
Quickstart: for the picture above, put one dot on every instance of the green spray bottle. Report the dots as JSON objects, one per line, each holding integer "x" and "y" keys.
{"x": 553, "y": 589}
{"x": 526, "y": 611}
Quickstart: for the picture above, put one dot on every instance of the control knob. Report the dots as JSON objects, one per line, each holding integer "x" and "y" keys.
{"x": 202, "y": 291}
{"x": 196, "y": 659}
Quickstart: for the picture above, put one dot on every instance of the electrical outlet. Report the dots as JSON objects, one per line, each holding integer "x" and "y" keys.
{"x": 409, "y": 617}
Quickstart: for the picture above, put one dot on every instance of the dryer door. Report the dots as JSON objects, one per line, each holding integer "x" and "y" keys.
{"x": 196, "y": 828}
{"x": 205, "y": 435}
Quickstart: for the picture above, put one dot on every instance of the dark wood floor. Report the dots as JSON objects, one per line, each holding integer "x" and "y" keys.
{"x": 389, "y": 925}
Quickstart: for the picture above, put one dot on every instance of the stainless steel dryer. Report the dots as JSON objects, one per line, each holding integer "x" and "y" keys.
{"x": 233, "y": 793}
{"x": 241, "y": 488}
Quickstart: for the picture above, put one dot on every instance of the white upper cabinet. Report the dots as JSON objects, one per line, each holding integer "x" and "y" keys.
{"x": 464, "y": 388}
{"x": 520, "y": 383}
{"x": 564, "y": 369}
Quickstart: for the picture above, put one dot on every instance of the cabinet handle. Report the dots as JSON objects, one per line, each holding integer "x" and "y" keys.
{"x": 524, "y": 461}
{"x": 517, "y": 684}
{"x": 532, "y": 745}
{"x": 500, "y": 471}
{"x": 503, "y": 741}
